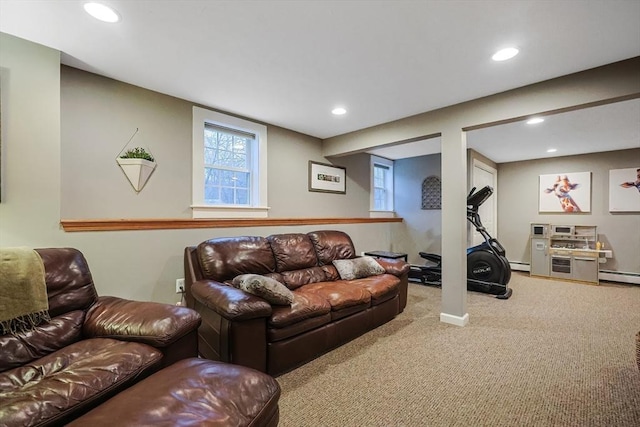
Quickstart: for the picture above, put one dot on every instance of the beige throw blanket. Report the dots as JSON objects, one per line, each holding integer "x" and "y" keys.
{"x": 23, "y": 292}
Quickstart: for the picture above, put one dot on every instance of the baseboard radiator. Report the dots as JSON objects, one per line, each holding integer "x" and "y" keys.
{"x": 609, "y": 275}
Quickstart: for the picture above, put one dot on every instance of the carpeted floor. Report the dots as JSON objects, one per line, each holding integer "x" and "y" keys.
{"x": 555, "y": 354}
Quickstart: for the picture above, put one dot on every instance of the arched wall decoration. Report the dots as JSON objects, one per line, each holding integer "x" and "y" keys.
{"x": 431, "y": 193}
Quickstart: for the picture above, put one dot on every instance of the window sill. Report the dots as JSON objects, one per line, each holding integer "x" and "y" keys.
{"x": 218, "y": 212}
{"x": 382, "y": 214}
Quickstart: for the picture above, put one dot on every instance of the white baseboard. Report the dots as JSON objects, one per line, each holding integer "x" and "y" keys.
{"x": 619, "y": 276}
{"x": 519, "y": 266}
{"x": 611, "y": 276}
{"x": 454, "y": 320}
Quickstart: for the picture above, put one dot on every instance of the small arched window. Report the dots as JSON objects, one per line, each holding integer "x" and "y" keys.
{"x": 431, "y": 193}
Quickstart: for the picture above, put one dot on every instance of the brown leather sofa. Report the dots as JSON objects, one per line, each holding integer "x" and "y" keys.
{"x": 326, "y": 312}
{"x": 94, "y": 348}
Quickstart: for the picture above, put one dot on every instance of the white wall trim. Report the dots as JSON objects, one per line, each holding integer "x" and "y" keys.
{"x": 373, "y": 160}
{"x": 200, "y": 116}
{"x": 620, "y": 276}
{"x": 382, "y": 214}
{"x": 210, "y": 211}
{"x": 454, "y": 320}
{"x": 519, "y": 266}
{"x": 611, "y": 276}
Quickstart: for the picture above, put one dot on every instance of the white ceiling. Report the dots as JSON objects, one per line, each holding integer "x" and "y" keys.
{"x": 288, "y": 63}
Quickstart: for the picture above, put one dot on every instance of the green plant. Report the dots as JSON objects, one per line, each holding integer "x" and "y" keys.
{"x": 137, "y": 153}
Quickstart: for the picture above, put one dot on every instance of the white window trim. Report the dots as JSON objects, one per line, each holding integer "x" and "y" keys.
{"x": 259, "y": 208}
{"x": 374, "y": 213}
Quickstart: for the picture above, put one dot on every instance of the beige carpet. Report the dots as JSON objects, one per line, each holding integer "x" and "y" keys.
{"x": 555, "y": 354}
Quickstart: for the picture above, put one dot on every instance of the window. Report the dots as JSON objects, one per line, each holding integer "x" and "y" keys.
{"x": 229, "y": 166}
{"x": 381, "y": 186}
{"x": 380, "y": 178}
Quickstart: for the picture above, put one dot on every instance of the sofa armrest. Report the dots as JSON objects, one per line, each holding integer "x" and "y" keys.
{"x": 397, "y": 267}
{"x": 229, "y": 302}
{"x": 156, "y": 324}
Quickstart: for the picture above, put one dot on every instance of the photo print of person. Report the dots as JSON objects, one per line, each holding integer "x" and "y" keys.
{"x": 565, "y": 192}
{"x": 624, "y": 190}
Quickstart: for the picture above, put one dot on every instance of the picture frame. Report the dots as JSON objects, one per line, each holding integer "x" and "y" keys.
{"x": 326, "y": 178}
{"x": 565, "y": 192}
{"x": 624, "y": 190}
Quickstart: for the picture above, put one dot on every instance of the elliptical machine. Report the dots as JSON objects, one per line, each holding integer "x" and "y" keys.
{"x": 488, "y": 269}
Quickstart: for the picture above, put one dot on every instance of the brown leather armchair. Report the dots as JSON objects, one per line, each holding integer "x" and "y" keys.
{"x": 91, "y": 349}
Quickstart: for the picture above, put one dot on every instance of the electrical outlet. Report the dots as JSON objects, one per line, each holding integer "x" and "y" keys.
{"x": 179, "y": 286}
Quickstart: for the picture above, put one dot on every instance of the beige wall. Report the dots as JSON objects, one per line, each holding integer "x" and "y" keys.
{"x": 81, "y": 121}
{"x": 423, "y": 228}
{"x": 518, "y": 206}
{"x": 99, "y": 115}
{"x": 30, "y": 208}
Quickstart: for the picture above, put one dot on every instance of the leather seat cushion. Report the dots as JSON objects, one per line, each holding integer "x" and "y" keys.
{"x": 305, "y": 306}
{"x": 197, "y": 392}
{"x": 340, "y": 294}
{"x": 79, "y": 376}
{"x": 279, "y": 334}
{"x": 23, "y": 347}
{"x": 382, "y": 287}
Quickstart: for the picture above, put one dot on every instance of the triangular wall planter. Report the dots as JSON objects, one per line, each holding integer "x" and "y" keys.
{"x": 137, "y": 171}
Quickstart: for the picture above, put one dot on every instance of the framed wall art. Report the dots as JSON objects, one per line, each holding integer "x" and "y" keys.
{"x": 624, "y": 190}
{"x": 326, "y": 178}
{"x": 565, "y": 192}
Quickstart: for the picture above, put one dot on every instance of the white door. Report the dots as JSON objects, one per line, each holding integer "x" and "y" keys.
{"x": 486, "y": 175}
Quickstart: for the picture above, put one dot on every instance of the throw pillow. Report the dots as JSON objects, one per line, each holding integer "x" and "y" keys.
{"x": 264, "y": 287}
{"x": 357, "y": 268}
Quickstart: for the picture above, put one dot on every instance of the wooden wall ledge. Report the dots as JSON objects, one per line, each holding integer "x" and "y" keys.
{"x": 74, "y": 225}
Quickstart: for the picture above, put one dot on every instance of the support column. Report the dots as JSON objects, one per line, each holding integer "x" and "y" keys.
{"x": 454, "y": 227}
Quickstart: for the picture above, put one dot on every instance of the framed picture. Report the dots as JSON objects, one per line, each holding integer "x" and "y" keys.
{"x": 624, "y": 190}
{"x": 565, "y": 192}
{"x": 327, "y": 178}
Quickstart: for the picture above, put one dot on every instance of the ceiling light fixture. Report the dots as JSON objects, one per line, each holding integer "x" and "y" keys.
{"x": 102, "y": 12}
{"x": 535, "y": 121}
{"x": 504, "y": 54}
{"x": 552, "y": 150}
{"x": 338, "y": 111}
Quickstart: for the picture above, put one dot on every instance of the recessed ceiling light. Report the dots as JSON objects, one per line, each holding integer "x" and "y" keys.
{"x": 338, "y": 111}
{"x": 552, "y": 150}
{"x": 102, "y": 12}
{"x": 535, "y": 121}
{"x": 504, "y": 54}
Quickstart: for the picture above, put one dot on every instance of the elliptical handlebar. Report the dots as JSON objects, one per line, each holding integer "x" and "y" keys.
{"x": 477, "y": 198}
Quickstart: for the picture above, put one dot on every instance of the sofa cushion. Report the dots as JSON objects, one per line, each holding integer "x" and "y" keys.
{"x": 381, "y": 288}
{"x": 24, "y": 347}
{"x": 55, "y": 388}
{"x": 292, "y": 251}
{"x": 227, "y": 257}
{"x": 296, "y": 278}
{"x": 264, "y": 287}
{"x": 339, "y": 294}
{"x": 357, "y": 268}
{"x": 69, "y": 281}
{"x": 332, "y": 244}
{"x": 298, "y": 328}
{"x": 305, "y": 306}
